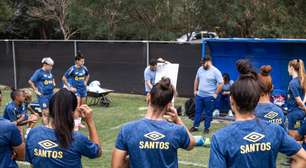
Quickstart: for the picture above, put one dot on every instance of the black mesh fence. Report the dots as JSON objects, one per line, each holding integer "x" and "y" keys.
{"x": 117, "y": 65}
{"x": 186, "y": 55}
{"x": 6, "y": 64}
{"x": 29, "y": 55}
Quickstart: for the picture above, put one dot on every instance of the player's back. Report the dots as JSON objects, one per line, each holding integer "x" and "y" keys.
{"x": 250, "y": 144}
{"x": 152, "y": 143}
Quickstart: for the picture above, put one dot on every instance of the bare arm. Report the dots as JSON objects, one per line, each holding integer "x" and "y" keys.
{"x": 196, "y": 86}
{"x": 88, "y": 116}
{"x": 86, "y": 80}
{"x": 148, "y": 84}
{"x": 295, "y": 135}
{"x": 192, "y": 140}
{"x": 19, "y": 152}
{"x": 299, "y": 159}
{"x": 119, "y": 159}
{"x": 300, "y": 103}
{"x": 64, "y": 79}
{"x": 219, "y": 88}
{"x": 177, "y": 120}
{"x": 93, "y": 135}
{"x": 31, "y": 83}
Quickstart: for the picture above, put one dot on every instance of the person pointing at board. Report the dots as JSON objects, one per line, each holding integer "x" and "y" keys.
{"x": 150, "y": 73}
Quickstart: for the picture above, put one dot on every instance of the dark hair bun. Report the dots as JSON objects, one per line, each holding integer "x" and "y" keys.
{"x": 244, "y": 66}
{"x": 165, "y": 83}
{"x": 265, "y": 70}
{"x": 245, "y": 69}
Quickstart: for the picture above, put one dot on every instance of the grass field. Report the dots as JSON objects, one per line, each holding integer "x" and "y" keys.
{"x": 124, "y": 109}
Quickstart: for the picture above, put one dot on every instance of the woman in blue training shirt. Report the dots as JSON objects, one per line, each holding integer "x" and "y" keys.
{"x": 223, "y": 100}
{"x": 43, "y": 83}
{"x": 56, "y": 144}
{"x": 249, "y": 141}
{"x": 11, "y": 143}
{"x": 265, "y": 109}
{"x": 75, "y": 80}
{"x": 153, "y": 141}
{"x": 16, "y": 111}
{"x": 296, "y": 94}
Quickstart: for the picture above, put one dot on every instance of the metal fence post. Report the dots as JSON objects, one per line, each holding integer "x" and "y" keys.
{"x": 75, "y": 47}
{"x": 148, "y": 52}
{"x": 14, "y": 63}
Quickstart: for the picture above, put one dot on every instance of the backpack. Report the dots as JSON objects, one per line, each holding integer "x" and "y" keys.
{"x": 190, "y": 109}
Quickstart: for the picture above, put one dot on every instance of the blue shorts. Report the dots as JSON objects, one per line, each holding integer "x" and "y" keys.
{"x": 81, "y": 92}
{"x": 44, "y": 101}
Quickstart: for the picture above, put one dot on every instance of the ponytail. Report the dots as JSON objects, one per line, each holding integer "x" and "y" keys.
{"x": 162, "y": 93}
{"x": 246, "y": 90}
{"x": 299, "y": 67}
{"x": 61, "y": 108}
{"x": 302, "y": 74}
{"x": 265, "y": 79}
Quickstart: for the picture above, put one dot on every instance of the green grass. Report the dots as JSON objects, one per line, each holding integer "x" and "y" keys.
{"x": 125, "y": 108}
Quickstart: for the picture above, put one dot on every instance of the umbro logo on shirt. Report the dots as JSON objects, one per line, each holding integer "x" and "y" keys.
{"x": 153, "y": 142}
{"x": 271, "y": 115}
{"x": 47, "y": 144}
{"x": 255, "y": 146}
{"x": 254, "y": 137}
{"x": 154, "y": 136}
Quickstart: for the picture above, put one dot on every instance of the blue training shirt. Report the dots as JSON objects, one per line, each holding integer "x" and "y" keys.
{"x": 76, "y": 76}
{"x": 208, "y": 81}
{"x": 152, "y": 143}
{"x": 13, "y": 112}
{"x": 271, "y": 113}
{"x": 9, "y": 137}
{"x": 295, "y": 90}
{"x": 43, "y": 80}
{"x": 149, "y": 75}
{"x": 43, "y": 151}
{"x": 252, "y": 143}
{"x": 227, "y": 87}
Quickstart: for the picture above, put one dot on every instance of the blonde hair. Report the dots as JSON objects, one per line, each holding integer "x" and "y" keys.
{"x": 299, "y": 67}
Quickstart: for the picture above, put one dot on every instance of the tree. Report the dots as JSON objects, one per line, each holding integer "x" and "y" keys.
{"x": 55, "y": 10}
{"x": 150, "y": 19}
{"x": 5, "y": 14}
{"x": 188, "y": 17}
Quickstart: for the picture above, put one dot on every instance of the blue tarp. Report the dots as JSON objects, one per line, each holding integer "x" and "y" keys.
{"x": 275, "y": 52}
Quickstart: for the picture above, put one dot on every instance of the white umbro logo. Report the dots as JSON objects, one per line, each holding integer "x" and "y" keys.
{"x": 154, "y": 136}
{"x": 271, "y": 115}
{"x": 47, "y": 144}
{"x": 254, "y": 137}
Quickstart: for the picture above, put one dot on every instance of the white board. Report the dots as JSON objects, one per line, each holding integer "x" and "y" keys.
{"x": 167, "y": 70}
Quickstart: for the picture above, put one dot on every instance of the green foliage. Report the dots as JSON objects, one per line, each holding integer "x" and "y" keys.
{"x": 5, "y": 14}
{"x": 159, "y": 19}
